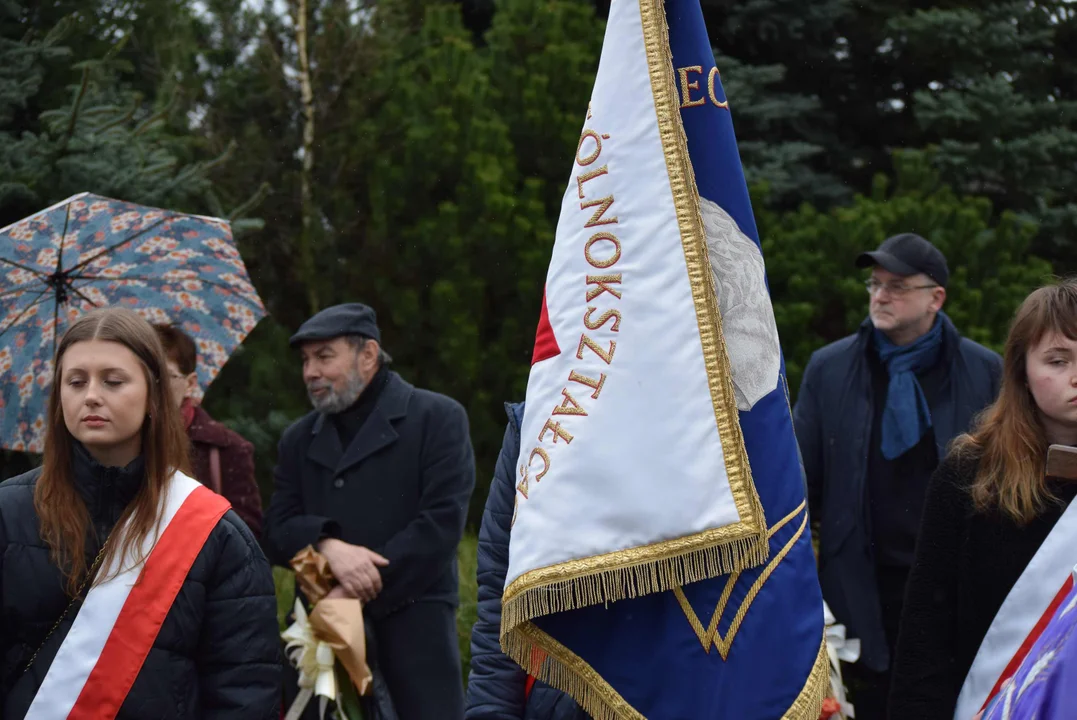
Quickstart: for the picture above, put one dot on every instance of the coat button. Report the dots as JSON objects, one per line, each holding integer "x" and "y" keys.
{"x": 338, "y": 483}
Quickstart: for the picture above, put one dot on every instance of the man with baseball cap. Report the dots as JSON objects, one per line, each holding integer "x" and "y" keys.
{"x": 875, "y": 413}
{"x": 378, "y": 480}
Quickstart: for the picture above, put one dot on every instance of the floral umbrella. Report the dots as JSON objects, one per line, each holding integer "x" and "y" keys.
{"x": 90, "y": 251}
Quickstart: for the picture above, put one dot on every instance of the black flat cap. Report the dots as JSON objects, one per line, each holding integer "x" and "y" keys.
{"x": 339, "y": 320}
{"x": 908, "y": 254}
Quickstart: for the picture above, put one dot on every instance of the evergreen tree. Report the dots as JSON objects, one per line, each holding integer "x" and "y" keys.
{"x": 771, "y": 54}
{"x": 104, "y": 138}
{"x": 819, "y": 295}
{"x": 773, "y": 131}
{"x": 995, "y": 120}
{"x": 984, "y": 89}
{"x": 22, "y": 61}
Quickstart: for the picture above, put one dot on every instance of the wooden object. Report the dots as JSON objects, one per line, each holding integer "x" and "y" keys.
{"x": 1062, "y": 462}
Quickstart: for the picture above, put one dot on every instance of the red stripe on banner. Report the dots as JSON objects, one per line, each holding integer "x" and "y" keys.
{"x": 144, "y": 612}
{"x": 546, "y": 345}
{"x": 537, "y": 658}
{"x": 1033, "y": 636}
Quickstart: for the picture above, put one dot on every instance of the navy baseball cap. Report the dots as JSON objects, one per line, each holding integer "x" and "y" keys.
{"x": 908, "y": 254}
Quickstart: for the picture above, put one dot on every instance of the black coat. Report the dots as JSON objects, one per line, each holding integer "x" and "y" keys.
{"x": 217, "y": 654}
{"x": 966, "y": 564}
{"x": 401, "y": 488}
{"x": 833, "y": 419}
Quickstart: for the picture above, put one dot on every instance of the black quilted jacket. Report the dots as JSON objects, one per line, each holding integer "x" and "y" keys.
{"x": 217, "y": 654}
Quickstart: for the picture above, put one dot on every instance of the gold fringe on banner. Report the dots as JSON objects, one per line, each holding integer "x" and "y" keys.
{"x": 809, "y": 703}
{"x": 591, "y": 581}
{"x": 557, "y": 666}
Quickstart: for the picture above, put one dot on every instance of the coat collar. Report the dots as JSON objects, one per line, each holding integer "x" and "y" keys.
{"x": 950, "y": 338}
{"x": 377, "y": 432}
{"x": 107, "y": 491}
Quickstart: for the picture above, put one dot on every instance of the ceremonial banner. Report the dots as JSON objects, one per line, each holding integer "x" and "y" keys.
{"x": 660, "y": 510}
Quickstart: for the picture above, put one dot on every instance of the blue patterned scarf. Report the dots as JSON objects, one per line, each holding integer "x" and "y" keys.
{"x": 906, "y": 417}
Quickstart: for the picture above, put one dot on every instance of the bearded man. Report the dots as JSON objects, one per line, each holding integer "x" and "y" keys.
{"x": 378, "y": 480}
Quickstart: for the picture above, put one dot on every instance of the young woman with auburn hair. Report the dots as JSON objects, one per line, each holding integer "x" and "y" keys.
{"x": 126, "y": 587}
{"x": 970, "y": 604}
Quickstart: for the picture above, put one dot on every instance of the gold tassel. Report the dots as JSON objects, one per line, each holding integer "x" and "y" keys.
{"x": 809, "y": 704}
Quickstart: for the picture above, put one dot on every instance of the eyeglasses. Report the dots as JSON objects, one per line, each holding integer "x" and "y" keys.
{"x": 893, "y": 289}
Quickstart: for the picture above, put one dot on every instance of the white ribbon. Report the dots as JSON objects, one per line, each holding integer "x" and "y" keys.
{"x": 840, "y": 649}
{"x": 314, "y": 660}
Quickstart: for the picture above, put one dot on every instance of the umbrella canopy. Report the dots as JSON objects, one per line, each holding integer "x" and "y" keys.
{"x": 90, "y": 251}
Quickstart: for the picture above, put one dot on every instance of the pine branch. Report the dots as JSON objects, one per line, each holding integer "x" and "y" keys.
{"x": 214, "y": 203}
{"x": 220, "y": 159}
{"x": 250, "y": 203}
{"x": 59, "y": 32}
{"x": 122, "y": 119}
{"x": 160, "y": 116}
{"x": 74, "y": 112}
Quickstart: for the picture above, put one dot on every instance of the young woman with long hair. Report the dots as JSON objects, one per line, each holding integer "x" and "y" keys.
{"x": 126, "y": 587}
{"x": 990, "y": 509}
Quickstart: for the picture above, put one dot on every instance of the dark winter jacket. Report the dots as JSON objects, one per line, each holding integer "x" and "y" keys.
{"x": 216, "y": 655}
{"x": 496, "y": 684}
{"x": 833, "y": 419}
{"x": 400, "y": 488}
{"x": 966, "y": 564}
{"x": 399, "y": 484}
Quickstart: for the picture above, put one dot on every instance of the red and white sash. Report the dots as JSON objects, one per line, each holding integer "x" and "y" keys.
{"x": 1028, "y": 608}
{"x": 118, "y": 622}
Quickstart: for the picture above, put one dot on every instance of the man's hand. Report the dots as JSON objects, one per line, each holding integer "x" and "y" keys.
{"x": 339, "y": 593}
{"x": 354, "y": 567}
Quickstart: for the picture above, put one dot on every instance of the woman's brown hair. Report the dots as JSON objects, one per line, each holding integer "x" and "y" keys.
{"x": 1009, "y": 440}
{"x": 65, "y": 520}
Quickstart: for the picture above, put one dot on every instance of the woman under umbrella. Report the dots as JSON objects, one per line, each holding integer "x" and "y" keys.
{"x": 128, "y": 588}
